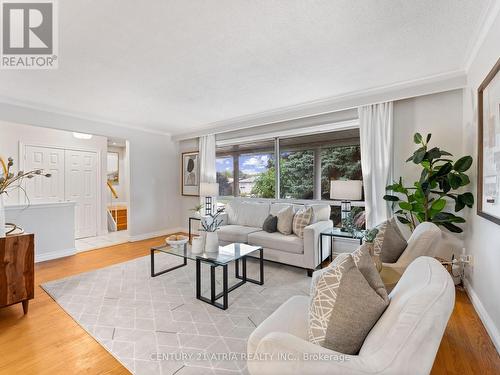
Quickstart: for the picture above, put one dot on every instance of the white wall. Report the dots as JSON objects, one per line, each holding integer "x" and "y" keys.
{"x": 13, "y": 133}
{"x": 154, "y": 166}
{"x": 121, "y": 186}
{"x": 439, "y": 114}
{"x": 483, "y": 236}
{"x": 53, "y": 225}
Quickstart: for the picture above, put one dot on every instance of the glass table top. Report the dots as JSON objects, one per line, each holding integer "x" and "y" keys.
{"x": 337, "y": 232}
{"x": 225, "y": 254}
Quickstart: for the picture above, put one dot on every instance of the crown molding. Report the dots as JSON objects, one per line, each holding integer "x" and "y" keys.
{"x": 403, "y": 90}
{"x": 61, "y": 112}
{"x": 486, "y": 22}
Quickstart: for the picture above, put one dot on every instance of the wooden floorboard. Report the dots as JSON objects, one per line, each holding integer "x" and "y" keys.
{"x": 48, "y": 341}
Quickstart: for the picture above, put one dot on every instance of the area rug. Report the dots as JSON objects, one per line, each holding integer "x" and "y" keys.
{"x": 157, "y": 326}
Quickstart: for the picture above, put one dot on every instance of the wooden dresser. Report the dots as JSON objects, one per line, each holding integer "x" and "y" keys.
{"x": 17, "y": 270}
{"x": 119, "y": 213}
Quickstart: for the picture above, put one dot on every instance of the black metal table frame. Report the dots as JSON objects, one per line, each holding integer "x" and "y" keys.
{"x": 214, "y": 296}
{"x": 189, "y": 231}
{"x": 331, "y": 235}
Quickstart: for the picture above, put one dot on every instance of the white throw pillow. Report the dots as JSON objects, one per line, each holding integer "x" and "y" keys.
{"x": 232, "y": 211}
{"x": 321, "y": 212}
{"x": 253, "y": 214}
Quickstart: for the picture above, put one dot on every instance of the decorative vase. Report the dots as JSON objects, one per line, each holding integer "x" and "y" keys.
{"x": 2, "y": 217}
{"x": 198, "y": 245}
{"x": 211, "y": 242}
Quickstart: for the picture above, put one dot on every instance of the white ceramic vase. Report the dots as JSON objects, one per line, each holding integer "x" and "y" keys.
{"x": 211, "y": 242}
{"x": 198, "y": 245}
{"x": 2, "y": 217}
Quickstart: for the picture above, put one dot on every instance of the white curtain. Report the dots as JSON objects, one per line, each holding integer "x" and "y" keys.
{"x": 207, "y": 160}
{"x": 376, "y": 138}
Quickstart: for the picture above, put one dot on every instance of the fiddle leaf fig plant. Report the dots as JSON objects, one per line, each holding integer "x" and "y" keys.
{"x": 441, "y": 181}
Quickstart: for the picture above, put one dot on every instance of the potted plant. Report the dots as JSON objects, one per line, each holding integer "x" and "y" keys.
{"x": 10, "y": 181}
{"x": 197, "y": 210}
{"x": 440, "y": 183}
{"x": 210, "y": 225}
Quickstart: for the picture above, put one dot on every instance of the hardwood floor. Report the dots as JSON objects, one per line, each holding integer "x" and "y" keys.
{"x": 48, "y": 341}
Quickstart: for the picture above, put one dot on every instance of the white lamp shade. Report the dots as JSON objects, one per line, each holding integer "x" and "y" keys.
{"x": 348, "y": 190}
{"x": 209, "y": 189}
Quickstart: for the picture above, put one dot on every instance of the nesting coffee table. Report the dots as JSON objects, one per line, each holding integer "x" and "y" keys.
{"x": 235, "y": 252}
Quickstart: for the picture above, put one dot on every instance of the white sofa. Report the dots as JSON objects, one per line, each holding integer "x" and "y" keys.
{"x": 242, "y": 222}
{"x": 405, "y": 339}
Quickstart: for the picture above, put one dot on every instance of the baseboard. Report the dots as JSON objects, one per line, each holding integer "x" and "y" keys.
{"x": 146, "y": 236}
{"x": 483, "y": 315}
{"x": 55, "y": 254}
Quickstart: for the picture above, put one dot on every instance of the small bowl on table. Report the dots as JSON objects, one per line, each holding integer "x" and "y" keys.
{"x": 176, "y": 241}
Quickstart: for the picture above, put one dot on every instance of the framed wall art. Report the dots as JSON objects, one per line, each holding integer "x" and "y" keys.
{"x": 488, "y": 184}
{"x": 190, "y": 174}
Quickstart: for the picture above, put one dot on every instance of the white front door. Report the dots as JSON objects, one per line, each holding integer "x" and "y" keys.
{"x": 41, "y": 189}
{"x": 81, "y": 187}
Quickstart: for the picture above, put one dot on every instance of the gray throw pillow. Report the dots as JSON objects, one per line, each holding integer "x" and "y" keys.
{"x": 366, "y": 265}
{"x": 285, "y": 219}
{"x": 389, "y": 243}
{"x": 270, "y": 224}
{"x": 344, "y": 307}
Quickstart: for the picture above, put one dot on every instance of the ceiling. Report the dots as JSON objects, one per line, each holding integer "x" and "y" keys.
{"x": 179, "y": 66}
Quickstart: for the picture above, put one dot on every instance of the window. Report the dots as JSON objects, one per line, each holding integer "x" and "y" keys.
{"x": 225, "y": 175}
{"x": 339, "y": 163}
{"x": 306, "y": 163}
{"x": 256, "y": 175}
{"x": 297, "y": 174}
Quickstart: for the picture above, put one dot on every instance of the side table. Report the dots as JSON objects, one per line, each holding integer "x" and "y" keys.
{"x": 336, "y": 233}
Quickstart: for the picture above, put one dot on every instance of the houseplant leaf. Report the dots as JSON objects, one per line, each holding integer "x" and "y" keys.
{"x": 417, "y": 138}
{"x": 462, "y": 164}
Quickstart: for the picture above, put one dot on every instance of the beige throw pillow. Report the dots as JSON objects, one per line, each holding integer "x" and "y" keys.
{"x": 389, "y": 243}
{"x": 285, "y": 220}
{"x": 301, "y": 220}
{"x": 344, "y": 307}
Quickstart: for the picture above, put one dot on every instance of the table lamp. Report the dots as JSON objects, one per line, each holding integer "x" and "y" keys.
{"x": 346, "y": 191}
{"x": 209, "y": 190}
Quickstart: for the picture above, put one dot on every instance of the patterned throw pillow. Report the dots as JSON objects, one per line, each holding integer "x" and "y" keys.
{"x": 344, "y": 307}
{"x": 389, "y": 243}
{"x": 301, "y": 220}
{"x": 285, "y": 219}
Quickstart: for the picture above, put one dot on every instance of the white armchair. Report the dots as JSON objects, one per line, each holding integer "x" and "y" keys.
{"x": 405, "y": 339}
{"x": 424, "y": 241}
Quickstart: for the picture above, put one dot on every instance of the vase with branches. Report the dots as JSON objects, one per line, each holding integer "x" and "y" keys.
{"x": 210, "y": 224}
{"x": 441, "y": 182}
{"x": 10, "y": 181}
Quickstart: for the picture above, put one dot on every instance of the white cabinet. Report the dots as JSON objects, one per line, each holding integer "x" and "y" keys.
{"x": 74, "y": 178}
